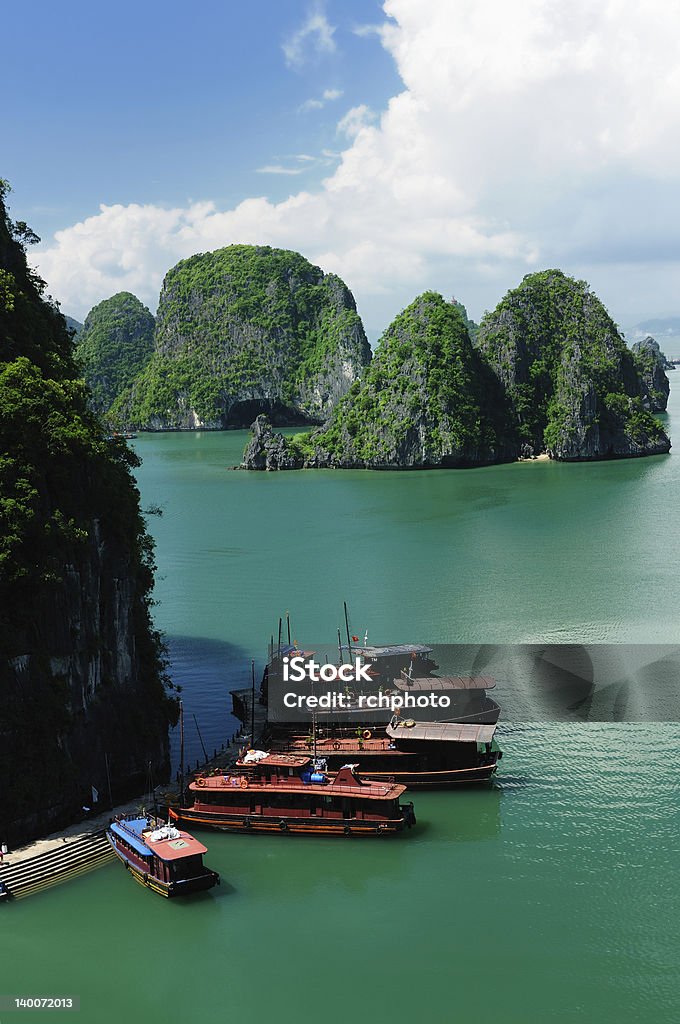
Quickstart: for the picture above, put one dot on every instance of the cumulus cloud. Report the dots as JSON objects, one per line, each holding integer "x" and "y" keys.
{"x": 312, "y": 39}
{"x": 527, "y": 133}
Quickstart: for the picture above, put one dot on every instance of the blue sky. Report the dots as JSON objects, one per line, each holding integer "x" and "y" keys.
{"x": 405, "y": 145}
{"x": 152, "y": 102}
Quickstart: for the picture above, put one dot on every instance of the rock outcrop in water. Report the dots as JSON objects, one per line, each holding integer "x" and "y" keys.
{"x": 244, "y": 330}
{"x": 572, "y": 383}
{"x": 426, "y": 400}
{"x": 81, "y": 669}
{"x": 652, "y": 364}
{"x": 113, "y": 347}
{"x": 549, "y": 373}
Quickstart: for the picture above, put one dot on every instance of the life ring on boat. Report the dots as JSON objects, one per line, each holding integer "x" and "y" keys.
{"x": 366, "y": 734}
{"x": 244, "y": 782}
{"x": 283, "y": 825}
{"x": 336, "y": 745}
{"x": 200, "y": 782}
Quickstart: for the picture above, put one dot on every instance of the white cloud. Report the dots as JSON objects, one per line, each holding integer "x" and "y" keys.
{"x": 354, "y": 120}
{"x": 327, "y": 96}
{"x": 314, "y": 36}
{"x": 527, "y": 133}
{"x": 278, "y": 169}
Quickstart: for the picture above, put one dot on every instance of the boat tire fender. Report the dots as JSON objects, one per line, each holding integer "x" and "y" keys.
{"x": 347, "y": 830}
{"x": 283, "y": 825}
{"x": 247, "y": 823}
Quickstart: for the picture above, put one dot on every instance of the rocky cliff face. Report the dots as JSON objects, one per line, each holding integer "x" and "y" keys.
{"x": 113, "y": 347}
{"x": 573, "y": 385}
{"x": 549, "y": 373}
{"x": 244, "y": 330}
{"x": 81, "y": 670}
{"x": 652, "y": 365}
{"x": 426, "y": 400}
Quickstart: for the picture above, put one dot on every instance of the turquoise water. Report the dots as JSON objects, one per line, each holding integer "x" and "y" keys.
{"x": 551, "y": 897}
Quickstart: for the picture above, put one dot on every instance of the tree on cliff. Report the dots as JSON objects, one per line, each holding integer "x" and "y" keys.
{"x": 81, "y": 667}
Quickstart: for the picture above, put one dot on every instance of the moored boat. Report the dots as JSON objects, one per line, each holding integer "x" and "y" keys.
{"x": 415, "y": 754}
{"x": 160, "y": 856}
{"x": 291, "y": 793}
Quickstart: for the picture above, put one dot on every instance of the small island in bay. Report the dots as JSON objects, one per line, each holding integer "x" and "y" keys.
{"x": 244, "y": 330}
{"x": 548, "y": 374}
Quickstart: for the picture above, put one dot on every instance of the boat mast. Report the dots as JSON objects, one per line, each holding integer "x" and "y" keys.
{"x": 342, "y": 656}
{"x": 288, "y": 625}
{"x": 279, "y": 647}
{"x": 349, "y": 639}
{"x": 252, "y": 704}
{"x": 181, "y": 753}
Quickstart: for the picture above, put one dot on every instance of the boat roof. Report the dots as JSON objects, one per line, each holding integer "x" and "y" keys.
{"x": 137, "y": 832}
{"x": 388, "y": 650}
{"x": 453, "y": 732}
{"x": 279, "y": 761}
{"x": 344, "y": 781}
{"x": 446, "y": 683}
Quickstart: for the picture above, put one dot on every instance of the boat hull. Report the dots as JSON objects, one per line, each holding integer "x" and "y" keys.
{"x": 169, "y": 890}
{"x": 230, "y": 822}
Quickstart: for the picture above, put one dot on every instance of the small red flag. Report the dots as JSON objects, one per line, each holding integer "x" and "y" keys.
{"x": 355, "y": 639}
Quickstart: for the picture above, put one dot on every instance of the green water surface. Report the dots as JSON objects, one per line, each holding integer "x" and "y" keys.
{"x": 551, "y": 897}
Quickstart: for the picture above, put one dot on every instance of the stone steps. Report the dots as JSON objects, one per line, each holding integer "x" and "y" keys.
{"x": 59, "y": 865}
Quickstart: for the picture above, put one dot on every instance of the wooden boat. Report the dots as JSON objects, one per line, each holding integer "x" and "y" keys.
{"x": 289, "y": 793}
{"x": 415, "y": 754}
{"x": 160, "y": 856}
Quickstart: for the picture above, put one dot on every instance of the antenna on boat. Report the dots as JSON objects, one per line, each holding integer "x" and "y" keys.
{"x": 108, "y": 778}
{"x": 288, "y": 625}
{"x": 205, "y": 752}
{"x": 181, "y": 753}
{"x": 342, "y": 656}
{"x": 349, "y": 639}
{"x": 252, "y": 704}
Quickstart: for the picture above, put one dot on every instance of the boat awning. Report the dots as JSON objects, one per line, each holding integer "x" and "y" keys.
{"x": 174, "y": 849}
{"x": 452, "y": 732}
{"x": 129, "y": 837}
{"x": 430, "y": 683}
{"x": 389, "y": 651}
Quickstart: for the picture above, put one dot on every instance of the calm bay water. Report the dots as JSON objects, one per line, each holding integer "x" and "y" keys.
{"x": 551, "y": 897}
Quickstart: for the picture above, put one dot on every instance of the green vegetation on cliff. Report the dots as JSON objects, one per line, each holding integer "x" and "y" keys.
{"x": 572, "y": 383}
{"x": 114, "y": 346}
{"x": 243, "y": 329}
{"x": 427, "y": 399}
{"x": 81, "y": 667}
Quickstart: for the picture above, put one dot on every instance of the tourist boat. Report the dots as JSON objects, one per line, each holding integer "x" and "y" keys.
{"x": 467, "y": 694}
{"x": 160, "y": 856}
{"x": 415, "y": 754}
{"x": 291, "y": 793}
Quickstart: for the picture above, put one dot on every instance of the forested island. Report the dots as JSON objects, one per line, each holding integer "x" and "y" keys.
{"x": 85, "y": 699}
{"x": 548, "y": 373}
{"x": 239, "y": 331}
